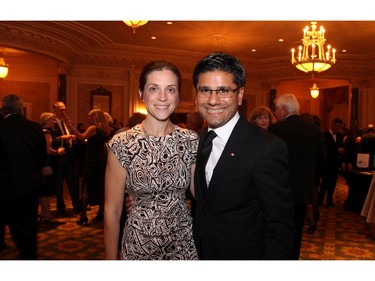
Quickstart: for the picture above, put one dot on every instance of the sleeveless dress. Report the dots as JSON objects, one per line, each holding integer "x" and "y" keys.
{"x": 95, "y": 163}
{"x": 159, "y": 227}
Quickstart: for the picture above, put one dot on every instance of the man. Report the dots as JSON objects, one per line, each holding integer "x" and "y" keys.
{"x": 305, "y": 149}
{"x": 66, "y": 168}
{"x": 243, "y": 204}
{"x": 334, "y": 148}
{"x": 22, "y": 156}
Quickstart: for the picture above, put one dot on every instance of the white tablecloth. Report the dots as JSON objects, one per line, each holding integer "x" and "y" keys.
{"x": 368, "y": 209}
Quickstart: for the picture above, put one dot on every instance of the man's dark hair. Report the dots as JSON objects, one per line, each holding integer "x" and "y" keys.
{"x": 221, "y": 62}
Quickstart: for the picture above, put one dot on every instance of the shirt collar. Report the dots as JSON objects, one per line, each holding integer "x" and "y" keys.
{"x": 10, "y": 114}
{"x": 224, "y": 132}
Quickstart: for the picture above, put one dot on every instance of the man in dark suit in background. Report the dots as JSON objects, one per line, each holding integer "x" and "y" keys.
{"x": 243, "y": 204}
{"x": 305, "y": 150}
{"x": 66, "y": 167}
{"x": 22, "y": 155}
{"x": 334, "y": 147}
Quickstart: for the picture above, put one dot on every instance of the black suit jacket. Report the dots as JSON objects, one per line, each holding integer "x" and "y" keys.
{"x": 57, "y": 133}
{"x": 247, "y": 212}
{"x": 306, "y": 152}
{"x": 334, "y": 158}
{"x": 22, "y": 156}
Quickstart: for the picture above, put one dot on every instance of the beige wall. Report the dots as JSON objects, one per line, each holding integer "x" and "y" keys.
{"x": 34, "y": 78}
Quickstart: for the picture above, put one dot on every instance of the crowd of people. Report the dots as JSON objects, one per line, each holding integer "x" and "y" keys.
{"x": 223, "y": 186}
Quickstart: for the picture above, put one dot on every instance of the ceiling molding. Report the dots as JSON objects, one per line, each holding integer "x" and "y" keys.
{"x": 77, "y": 44}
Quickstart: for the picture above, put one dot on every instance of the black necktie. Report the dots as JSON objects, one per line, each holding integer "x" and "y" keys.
{"x": 207, "y": 146}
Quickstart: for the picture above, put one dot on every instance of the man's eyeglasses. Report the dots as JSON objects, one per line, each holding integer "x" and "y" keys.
{"x": 221, "y": 92}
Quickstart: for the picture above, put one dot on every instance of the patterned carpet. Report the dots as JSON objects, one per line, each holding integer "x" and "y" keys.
{"x": 340, "y": 235}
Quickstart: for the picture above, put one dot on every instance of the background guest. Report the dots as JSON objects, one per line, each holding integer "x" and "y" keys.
{"x": 48, "y": 121}
{"x": 97, "y": 134}
{"x": 305, "y": 151}
{"x": 135, "y": 119}
{"x": 80, "y": 154}
{"x": 81, "y": 127}
{"x": 334, "y": 148}
{"x": 119, "y": 125}
{"x": 22, "y": 157}
{"x": 112, "y": 123}
{"x": 66, "y": 164}
{"x": 262, "y": 116}
{"x": 312, "y": 208}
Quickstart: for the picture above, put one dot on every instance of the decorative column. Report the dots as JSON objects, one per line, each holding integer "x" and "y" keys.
{"x": 354, "y": 110}
{"x": 61, "y": 88}
{"x": 272, "y": 97}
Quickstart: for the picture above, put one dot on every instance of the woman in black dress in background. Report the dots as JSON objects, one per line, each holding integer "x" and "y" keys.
{"x": 97, "y": 134}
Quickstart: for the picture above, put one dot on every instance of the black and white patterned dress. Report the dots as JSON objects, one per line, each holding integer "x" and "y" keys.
{"x": 159, "y": 227}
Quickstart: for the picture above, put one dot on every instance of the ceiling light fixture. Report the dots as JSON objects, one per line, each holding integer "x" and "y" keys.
{"x": 314, "y": 91}
{"x": 134, "y": 24}
{"x": 311, "y": 57}
{"x": 3, "y": 68}
{"x": 218, "y": 38}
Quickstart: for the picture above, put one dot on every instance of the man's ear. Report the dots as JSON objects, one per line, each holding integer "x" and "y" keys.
{"x": 240, "y": 95}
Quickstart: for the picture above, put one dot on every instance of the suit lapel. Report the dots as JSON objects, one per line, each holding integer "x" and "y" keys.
{"x": 228, "y": 158}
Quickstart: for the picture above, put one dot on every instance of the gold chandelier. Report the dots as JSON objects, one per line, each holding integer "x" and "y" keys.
{"x": 312, "y": 57}
{"x": 134, "y": 24}
{"x": 3, "y": 69}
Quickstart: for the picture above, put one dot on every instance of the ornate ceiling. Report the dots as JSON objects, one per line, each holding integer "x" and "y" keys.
{"x": 114, "y": 43}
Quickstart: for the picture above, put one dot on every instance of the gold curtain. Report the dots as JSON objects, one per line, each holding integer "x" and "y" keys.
{"x": 335, "y": 96}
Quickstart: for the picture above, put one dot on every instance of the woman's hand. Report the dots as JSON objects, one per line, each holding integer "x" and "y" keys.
{"x": 128, "y": 203}
{"x": 61, "y": 151}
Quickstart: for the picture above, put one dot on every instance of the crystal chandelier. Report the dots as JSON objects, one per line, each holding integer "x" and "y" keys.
{"x": 134, "y": 24}
{"x": 3, "y": 69}
{"x": 312, "y": 57}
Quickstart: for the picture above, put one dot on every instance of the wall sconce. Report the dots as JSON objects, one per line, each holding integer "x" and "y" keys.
{"x": 3, "y": 69}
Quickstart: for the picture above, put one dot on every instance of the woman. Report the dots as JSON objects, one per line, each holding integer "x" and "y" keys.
{"x": 262, "y": 116}
{"x": 97, "y": 134}
{"x": 48, "y": 121}
{"x": 154, "y": 163}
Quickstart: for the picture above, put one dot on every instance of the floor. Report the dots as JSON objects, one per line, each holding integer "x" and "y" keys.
{"x": 340, "y": 235}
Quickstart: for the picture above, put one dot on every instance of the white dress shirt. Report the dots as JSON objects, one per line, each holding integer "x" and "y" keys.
{"x": 218, "y": 144}
{"x": 333, "y": 135}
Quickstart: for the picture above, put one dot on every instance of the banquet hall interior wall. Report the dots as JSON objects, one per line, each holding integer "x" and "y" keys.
{"x": 35, "y": 77}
